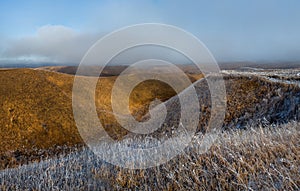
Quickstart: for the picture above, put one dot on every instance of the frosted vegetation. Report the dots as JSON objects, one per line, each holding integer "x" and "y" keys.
{"x": 256, "y": 158}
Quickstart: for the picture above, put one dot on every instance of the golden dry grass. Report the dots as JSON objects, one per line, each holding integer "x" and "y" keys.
{"x": 37, "y": 122}
{"x": 36, "y": 111}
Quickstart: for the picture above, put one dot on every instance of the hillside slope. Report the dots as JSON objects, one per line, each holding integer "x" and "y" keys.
{"x": 251, "y": 100}
{"x": 36, "y": 109}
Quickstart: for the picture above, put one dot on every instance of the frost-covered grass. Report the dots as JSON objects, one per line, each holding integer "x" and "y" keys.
{"x": 252, "y": 159}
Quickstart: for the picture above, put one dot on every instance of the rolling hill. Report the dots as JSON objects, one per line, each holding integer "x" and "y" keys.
{"x": 36, "y": 116}
{"x": 37, "y": 121}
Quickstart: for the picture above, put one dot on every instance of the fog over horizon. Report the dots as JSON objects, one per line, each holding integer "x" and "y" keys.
{"x": 235, "y": 31}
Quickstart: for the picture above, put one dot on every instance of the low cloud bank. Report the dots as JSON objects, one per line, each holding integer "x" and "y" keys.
{"x": 51, "y": 43}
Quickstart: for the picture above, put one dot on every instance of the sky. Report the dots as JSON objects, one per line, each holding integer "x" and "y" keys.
{"x": 61, "y": 31}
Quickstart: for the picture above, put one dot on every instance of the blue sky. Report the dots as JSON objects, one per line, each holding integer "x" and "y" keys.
{"x": 233, "y": 30}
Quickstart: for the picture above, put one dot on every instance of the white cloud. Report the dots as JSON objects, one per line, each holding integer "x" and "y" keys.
{"x": 62, "y": 45}
{"x": 51, "y": 43}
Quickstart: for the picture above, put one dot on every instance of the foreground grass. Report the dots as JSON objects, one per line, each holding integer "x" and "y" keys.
{"x": 253, "y": 159}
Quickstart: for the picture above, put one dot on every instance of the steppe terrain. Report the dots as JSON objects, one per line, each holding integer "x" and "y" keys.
{"x": 258, "y": 147}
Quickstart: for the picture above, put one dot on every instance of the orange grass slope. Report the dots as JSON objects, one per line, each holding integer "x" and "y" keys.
{"x": 36, "y": 107}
